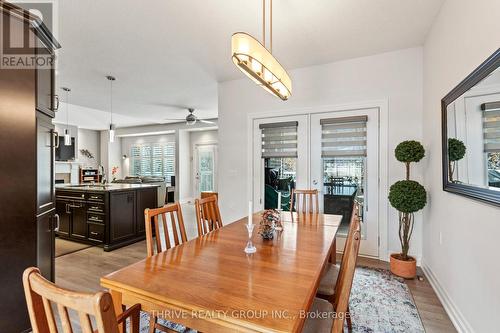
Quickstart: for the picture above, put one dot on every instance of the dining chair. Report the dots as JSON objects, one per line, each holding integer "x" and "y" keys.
{"x": 207, "y": 214}
{"x": 304, "y": 200}
{"x": 329, "y": 279}
{"x": 156, "y": 216}
{"x": 43, "y": 297}
{"x": 160, "y": 215}
{"x": 340, "y": 307}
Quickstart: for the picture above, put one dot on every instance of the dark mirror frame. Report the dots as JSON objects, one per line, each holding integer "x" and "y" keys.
{"x": 475, "y": 192}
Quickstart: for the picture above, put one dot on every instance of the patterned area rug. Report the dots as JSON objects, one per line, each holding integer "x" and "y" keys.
{"x": 380, "y": 303}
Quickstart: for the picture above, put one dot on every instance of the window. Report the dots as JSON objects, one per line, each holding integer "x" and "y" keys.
{"x": 155, "y": 159}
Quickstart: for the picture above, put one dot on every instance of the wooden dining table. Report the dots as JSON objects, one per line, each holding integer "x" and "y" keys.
{"x": 211, "y": 285}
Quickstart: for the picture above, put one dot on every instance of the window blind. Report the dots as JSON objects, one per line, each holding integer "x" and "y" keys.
{"x": 279, "y": 139}
{"x": 153, "y": 159}
{"x": 344, "y": 136}
{"x": 491, "y": 127}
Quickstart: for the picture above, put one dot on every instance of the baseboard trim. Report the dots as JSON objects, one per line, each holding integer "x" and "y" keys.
{"x": 456, "y": 316}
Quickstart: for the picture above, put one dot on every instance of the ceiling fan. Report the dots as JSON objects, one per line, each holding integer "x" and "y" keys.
{"x": 191, "y": 119}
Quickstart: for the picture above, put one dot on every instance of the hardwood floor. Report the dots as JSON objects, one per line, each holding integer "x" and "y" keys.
{"x": 82, "y": 270}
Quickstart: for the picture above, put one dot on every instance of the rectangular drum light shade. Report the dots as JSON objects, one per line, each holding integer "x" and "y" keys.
{"x": 491, "y": 127}
{"x": 344, "y": 136}
{"x": 279, "y": 139}
{"x": 253, "y": 59}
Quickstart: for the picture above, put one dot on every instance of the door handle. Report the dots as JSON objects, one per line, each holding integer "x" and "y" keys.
{"x": 315, "y": 182}
{"x": 58, "y": 220}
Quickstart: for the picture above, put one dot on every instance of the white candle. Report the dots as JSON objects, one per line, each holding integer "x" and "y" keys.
{"x": 250, "y": 213}
{"x": 279, "y": 200}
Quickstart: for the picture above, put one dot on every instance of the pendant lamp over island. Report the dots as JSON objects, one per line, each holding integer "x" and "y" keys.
{"x": 257, "y": 62}
{"x": 112, "y": 126}
{"x": 67, "y": 135}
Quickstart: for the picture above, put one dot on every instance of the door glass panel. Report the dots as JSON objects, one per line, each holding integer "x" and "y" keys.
{"x": 206, "y": 170}
{"x": 280, "y": 177}
{"x": 344, "y": 182}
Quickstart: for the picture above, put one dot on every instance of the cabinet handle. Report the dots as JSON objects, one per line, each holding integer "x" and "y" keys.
{"x": 74, "y": 206}
{"x": 57, "y": 222}
{"x": 67, "y": 209}
{"x": 56, "y": 100}
{"x": 56, "y": 145}
{"x": 94, "y": 233}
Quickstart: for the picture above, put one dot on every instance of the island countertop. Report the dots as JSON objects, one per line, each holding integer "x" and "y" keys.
{"x": 102, "y": 188}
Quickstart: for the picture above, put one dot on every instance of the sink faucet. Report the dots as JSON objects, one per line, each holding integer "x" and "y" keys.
{"x": 103, "y": 174}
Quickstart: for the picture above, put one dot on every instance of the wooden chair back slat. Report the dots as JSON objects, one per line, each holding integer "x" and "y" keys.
{"x": 41, "y": 294}
{"x": 207, "y": 215}
{"x": 49, "y": 314}
{"x": 345, "y": 278}
{"x": 173, "y": 211}
{"x": 64, "y": 316}
{"x": 306, "y": 201}
{"x": 85, "y": 322}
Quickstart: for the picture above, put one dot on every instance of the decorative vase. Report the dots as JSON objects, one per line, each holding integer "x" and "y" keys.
{"x": 403, "y": 268}
{"x": 267, "y": 234}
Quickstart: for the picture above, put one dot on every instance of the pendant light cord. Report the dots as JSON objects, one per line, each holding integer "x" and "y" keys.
{"x": 67, "y": 109}
{"x": 270, "y": 24}
{"x": 111, "y": 102}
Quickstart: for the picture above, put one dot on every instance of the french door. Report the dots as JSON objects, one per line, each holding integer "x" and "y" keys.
{"x": 205, "y": 168}
{"x": 310, "y": 169}
{"x": 348, "y": 175}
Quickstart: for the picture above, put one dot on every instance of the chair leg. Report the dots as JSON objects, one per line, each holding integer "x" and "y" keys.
{"x": 348, "y": 318}
{"x": 152, "y": 323}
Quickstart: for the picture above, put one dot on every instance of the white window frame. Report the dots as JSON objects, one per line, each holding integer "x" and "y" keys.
{"x": 163, "y": 158}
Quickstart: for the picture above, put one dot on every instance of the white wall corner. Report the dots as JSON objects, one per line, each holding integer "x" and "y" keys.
{"x": 456, "y": 316}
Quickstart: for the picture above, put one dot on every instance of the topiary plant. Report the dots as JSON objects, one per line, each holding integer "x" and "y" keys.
{"x": 407, "y": 196}
{"x": 409, "y": 151}
{"x": 456, "y": 151}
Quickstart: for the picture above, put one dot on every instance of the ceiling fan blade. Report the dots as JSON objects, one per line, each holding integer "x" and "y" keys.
{"x": 177, "y": 119}
{"x": 206, "y": 121}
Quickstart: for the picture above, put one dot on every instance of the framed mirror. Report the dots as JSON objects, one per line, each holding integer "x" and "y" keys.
{"x": 471, "y": 134}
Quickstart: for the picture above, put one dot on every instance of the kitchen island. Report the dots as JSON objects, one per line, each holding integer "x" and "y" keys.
{"x": 109, "y": 215}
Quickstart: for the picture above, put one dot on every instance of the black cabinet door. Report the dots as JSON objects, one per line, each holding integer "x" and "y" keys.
{"x": 45, "y": 244}
{"x": 78, "y": 220}
{"x": 45, "y": 163}
{"x": 145, "y": 199}
{"x": 64, "y": 213}
{"x": 45, "y": 99}
{"x": 122, "y": 215}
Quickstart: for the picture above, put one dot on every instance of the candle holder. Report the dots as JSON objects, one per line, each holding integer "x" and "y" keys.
{"x": 250, "y": 248}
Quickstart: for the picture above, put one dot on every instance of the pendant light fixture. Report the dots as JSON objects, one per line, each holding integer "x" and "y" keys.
{"x": 67, "y": 135}
{"x": 258, "y": 63}
{"x": 112, "y": 126}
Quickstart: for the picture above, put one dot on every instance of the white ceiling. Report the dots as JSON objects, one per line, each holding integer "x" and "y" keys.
{"x": 174, "y": 52}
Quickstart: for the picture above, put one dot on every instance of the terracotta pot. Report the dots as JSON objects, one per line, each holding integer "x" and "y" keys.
{"x": 405, "y": 269}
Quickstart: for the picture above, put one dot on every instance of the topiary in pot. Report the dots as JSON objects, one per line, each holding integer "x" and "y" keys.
{"x": 408, "y": 197}
{"x": 456, "y": 151}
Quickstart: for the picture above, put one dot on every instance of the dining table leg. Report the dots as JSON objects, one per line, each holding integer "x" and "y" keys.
{"x": 117, "y": 304}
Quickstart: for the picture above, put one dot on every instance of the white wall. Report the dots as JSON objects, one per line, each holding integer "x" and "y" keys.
{"x": 183, "y": 167}
{"x": 395, "y": 76}
{"x": 465, "y": 267}
{"x": 127, "y": 143}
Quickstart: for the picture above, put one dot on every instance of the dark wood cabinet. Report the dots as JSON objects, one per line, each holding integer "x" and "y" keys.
{"x": 44, "y": 163}
{"x": 111, "y": 218}
{"x": 27, "y": 207}
{"x": 45, "y": 246}
{"x": 122, "y": 215}
{"x": 78, "y": 220}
